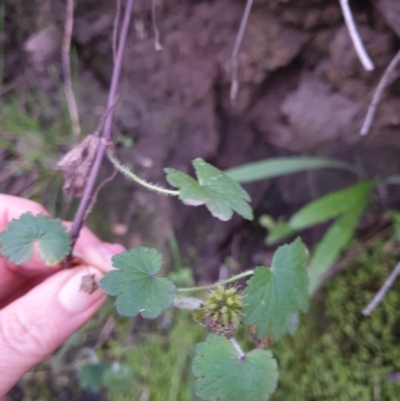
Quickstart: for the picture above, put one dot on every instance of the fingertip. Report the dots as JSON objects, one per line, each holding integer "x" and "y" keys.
{"x": 12, "y": 207}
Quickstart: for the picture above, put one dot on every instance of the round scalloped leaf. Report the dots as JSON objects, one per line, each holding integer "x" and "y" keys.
{"x": 90, "y": 375}
{"x": 215, "y": 189}
{"x": 224, "y": 376}
{"x": 273, "y": 297}
{"x": 136, "y": 285}
{"x": 18, "y": 240}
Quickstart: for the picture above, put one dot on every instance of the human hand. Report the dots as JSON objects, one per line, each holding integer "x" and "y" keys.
{"x": 41, "y": 306}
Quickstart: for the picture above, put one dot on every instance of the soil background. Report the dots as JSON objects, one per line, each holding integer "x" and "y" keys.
{"x": 303, "y": 91}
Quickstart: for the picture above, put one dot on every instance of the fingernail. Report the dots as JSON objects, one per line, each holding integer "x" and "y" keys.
{"x": 75, "y": 300}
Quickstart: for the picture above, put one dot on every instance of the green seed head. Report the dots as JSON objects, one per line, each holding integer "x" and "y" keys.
{"x": 222, "y": 311}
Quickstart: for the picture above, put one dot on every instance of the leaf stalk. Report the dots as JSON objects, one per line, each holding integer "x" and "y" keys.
{"x": 224, "y": 282}
{"x": 130, "y": 174}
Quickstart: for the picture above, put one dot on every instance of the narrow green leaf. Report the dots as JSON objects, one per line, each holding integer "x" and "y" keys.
{"x": 224, "y": 376}
{"x": 136, "y": 285}
{"x": 216, "y": 190}
{"x": 270, "y": 168}
{"x": 18, "y": 240}
{"x": 331, "y": 205}
{"x": 332, "y": 244}
{"x": 274, "y": 295}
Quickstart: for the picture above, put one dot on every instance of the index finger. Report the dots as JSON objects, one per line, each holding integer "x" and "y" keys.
{"x": 88, "y": 247}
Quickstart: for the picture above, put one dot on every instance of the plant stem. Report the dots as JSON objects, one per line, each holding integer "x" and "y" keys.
{"x": 228, "y": 281}
{"x": 382, "y": 292}
{"x": 189, "y": 303}
{"x": 106, "y": 135}
{"x": 237, "y": 347}
{"x": 130, "y": 174}
{"x": 378, "y": 94}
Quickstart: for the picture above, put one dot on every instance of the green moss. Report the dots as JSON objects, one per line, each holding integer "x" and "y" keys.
{"x": 345, "y": 356}
{"x": 161, "y": 362}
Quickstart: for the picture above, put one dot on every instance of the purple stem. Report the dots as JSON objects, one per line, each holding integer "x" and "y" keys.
{"x": 106, "y": 133}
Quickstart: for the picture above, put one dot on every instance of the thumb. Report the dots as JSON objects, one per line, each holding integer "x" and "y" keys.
{"x": 39, "y": 322}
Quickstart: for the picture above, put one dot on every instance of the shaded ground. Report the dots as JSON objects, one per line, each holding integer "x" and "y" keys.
{"x": 302, "y": 91}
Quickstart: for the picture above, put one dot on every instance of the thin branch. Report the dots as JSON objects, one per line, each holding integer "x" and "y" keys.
{"x": 378, "y": 94}
{"x": 66, "y": 64}
{"x": 106, "y": 136}
{"x": 115, "y": 29}
{"x": 238, "y": 349}
{"x": 130, "y": 174}
{"x": 99, "y": 188}
{"x": 235, "y": 52}
{"x": 382, "y": 292}
{"x": 355, "y": 37}
{"x": 228, "y": 281}
{"x": 157, "y": 44}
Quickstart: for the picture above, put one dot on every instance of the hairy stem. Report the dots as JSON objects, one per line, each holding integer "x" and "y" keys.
{"x": 237, "y": 347}
{"x": 106, "y": 133}
{"x": 130, "y": 174}
{"x": 228, "y": 281}
{"x": 188, "y": 303}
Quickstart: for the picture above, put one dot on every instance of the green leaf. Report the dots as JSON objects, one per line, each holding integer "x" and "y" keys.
{"x": 118, "y": 378}
{"x": 331, "y": 205}
{"x": 136, "y": 285}
{"x": 270, "y": 168}
{"x": 216, "y": 190}
{"x": 90, "y": 376}
{"x": 332, "y": 244}
{"x": 224, "y": 376}
{"x": 18, "y": 240}
{"x": 274, "y": 295}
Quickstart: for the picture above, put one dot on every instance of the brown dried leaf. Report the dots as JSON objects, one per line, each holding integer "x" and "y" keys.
{"x": 89, "y": 284}
{"x": 76, "y": 164}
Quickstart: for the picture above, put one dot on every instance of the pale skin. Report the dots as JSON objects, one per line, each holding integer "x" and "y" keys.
{"x": 41, "y": 306}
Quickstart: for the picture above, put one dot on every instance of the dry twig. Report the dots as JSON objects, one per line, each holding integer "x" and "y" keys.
{"x": 66, "y": 64}
{"x": 157, "y": 44}
{"x": 382, "y": 292}
{"x": 355, "y": 37}
{"x": 378, "y": 94}
{"x": 235, "y": 52}
{"x": 106, "y": 132}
